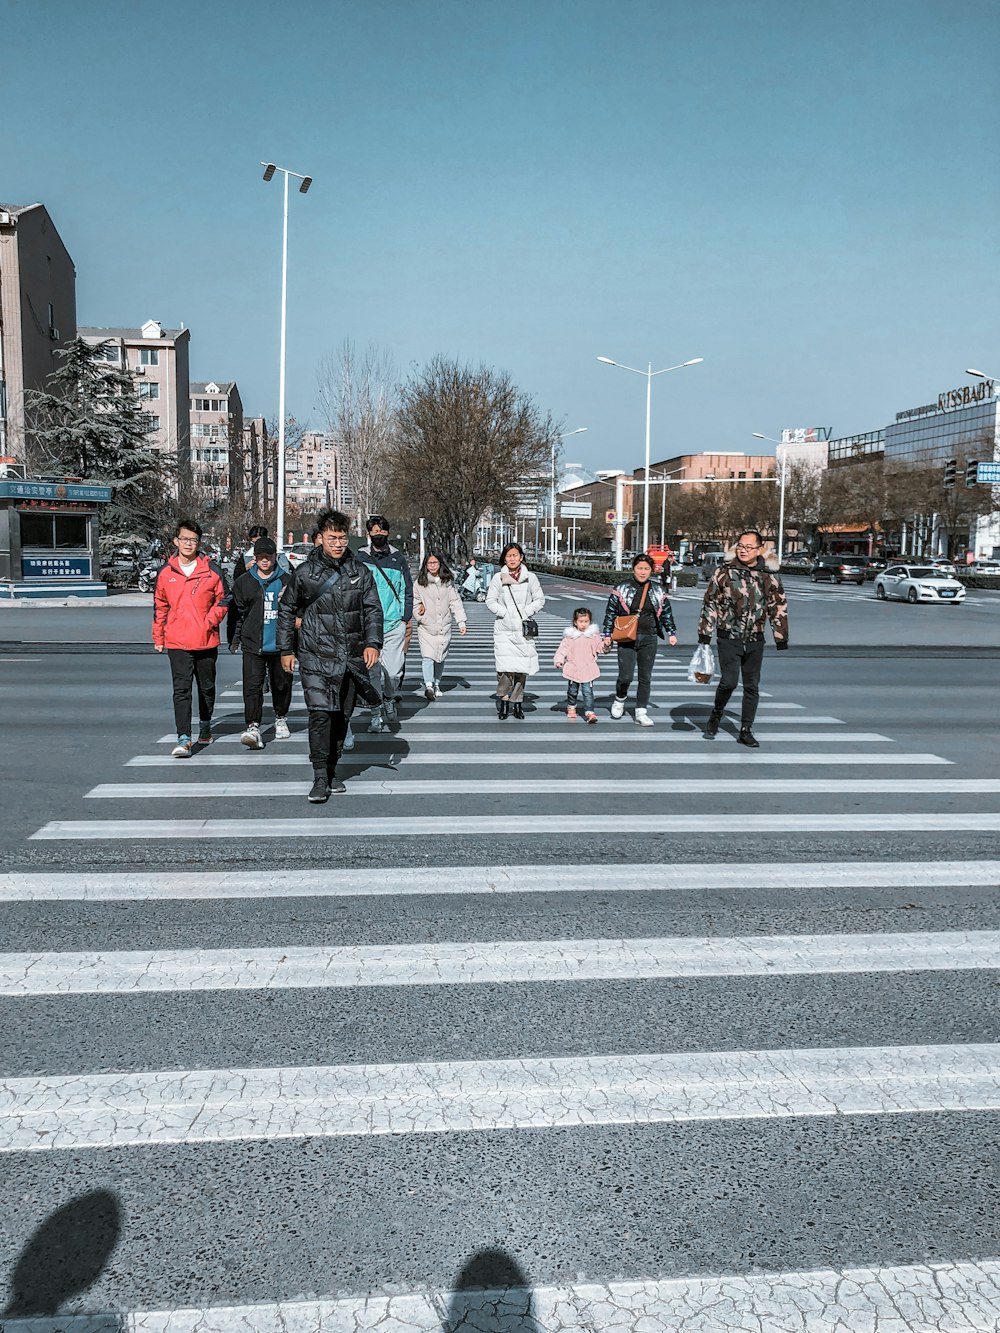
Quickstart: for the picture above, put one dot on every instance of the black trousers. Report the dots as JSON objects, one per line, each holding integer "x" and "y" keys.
{"x": 258, "y": 669}
{"x": 328, "y": 729}
{"x": 740, "y": 657}
{"x": 187, "y": 666}
{"x": 641, "y": 654}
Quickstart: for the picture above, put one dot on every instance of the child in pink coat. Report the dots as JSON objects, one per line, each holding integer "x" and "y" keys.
{"x": 577, "y": 655}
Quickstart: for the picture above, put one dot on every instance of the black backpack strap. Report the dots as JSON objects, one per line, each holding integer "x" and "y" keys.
{"x": 387, "y": 581}
{"x": 324, "y": 587}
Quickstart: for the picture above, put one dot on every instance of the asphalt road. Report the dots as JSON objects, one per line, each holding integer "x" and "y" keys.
{"x": 632, "y": 1025}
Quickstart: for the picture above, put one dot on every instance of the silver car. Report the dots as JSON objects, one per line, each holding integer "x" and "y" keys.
{"x": 918, "y": 583}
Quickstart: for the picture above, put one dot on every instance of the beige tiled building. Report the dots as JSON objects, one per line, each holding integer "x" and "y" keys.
{"x": 37, "y": 311}
{"x": 157, "y": 358}
{"x": 315, "y": 477}
{"x": 216, "y": 416}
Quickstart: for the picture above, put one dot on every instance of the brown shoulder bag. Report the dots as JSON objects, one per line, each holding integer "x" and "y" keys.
{"x": 626, "y": 628}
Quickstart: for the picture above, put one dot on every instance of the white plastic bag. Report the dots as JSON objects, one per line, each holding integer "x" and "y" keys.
{"x": 702, "y": 667}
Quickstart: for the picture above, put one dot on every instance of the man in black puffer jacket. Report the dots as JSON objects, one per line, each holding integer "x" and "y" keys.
{"x": 332, "y": 602}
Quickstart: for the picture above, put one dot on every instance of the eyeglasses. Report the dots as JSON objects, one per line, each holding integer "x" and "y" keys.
{"x": 185, "y": 541}
{"x": 748, "y": 548}
{"x": 337, "y": 538}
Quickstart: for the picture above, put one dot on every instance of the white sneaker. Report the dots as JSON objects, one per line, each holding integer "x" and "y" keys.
{"x": 429, "y": 693}
{"x": 251, "y": 737}
{"x": 281, "y": 732}
{"x": 642, "y": 718}
{"x": 618, "y": 708}
{"x": 437, "y": 689}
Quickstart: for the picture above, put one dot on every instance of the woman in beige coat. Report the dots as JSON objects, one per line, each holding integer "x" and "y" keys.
{"x": 435, "y": 603}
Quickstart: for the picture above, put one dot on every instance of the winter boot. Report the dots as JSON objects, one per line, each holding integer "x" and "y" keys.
{"x": 519, "y": 712}
{"x": 503, "y": 710}
{"x": 642, "y": 718}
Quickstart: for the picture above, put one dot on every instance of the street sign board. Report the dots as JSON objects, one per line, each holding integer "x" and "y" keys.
{"x": 527, "y": 511}
{"x": 575, "y": 509}
{"x": 989, "y": 472}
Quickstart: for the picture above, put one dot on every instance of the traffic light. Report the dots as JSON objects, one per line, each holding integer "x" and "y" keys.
{"x": 950, "y": 468}
{"x": 971, "y": 471}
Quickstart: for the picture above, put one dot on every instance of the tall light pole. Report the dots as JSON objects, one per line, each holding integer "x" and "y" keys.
{"x": 650, "y": 375}
{"x": 553, "y": 544}
{"x": 305, "y": 182}
{"x": 781, "y": 503}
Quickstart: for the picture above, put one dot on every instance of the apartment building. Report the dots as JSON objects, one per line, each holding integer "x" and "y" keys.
{"x": 37, "y": 311}
{"x": 216, "y": 423}
{"x": 158, "y": 360}
{"x": 315, "y": 477}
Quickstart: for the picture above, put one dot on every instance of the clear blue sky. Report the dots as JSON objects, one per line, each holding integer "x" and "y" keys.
{"x": 806, "y": 195}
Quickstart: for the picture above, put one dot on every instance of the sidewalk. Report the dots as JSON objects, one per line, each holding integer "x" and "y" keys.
{"x": 116, "y": 599}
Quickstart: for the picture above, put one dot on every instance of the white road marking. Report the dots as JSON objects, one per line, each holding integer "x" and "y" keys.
{"x": 215, "y": 1105}
{"x": 404, "y": 881}
{"x": 365, "y": 758}
{"x": 493, "y": 962}
{"x": 386, "y": 786}
{"x": 938, "y": 1298}
{"x": 328, "y": 825}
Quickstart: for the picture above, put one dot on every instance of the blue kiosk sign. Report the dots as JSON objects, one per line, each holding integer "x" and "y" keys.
{"x": 49, "y": 538}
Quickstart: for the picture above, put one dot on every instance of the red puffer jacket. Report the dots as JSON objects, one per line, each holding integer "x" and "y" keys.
{"x": 188, "y": 609}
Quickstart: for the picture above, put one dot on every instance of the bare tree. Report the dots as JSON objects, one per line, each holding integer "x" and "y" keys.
{"x": 468, "y": 444}
{"x": 358, "y": 396}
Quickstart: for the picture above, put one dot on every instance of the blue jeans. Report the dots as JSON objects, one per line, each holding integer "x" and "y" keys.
{"x": 585, "y": 689}
{"x": 432, "y": 670}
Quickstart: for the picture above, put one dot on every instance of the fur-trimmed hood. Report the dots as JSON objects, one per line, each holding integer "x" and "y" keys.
{"x": 572, "y": 632}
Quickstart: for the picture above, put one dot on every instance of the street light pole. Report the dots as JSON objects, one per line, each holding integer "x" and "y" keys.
{"x": 269, "y": 169}
{"x": 650, "y": 374}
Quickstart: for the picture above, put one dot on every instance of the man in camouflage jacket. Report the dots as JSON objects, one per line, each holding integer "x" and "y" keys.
{"x": 741, "y": 596}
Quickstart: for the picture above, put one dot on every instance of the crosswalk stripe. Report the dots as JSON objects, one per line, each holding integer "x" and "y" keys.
{"x": 389, "y": 755}
{"x": 470, "y": 826}
{"x": 915, "y": 1298}
{"x": 493, "y": 962}
{"x": 170, "y": 791}
{"x": 406, "y": 881}
{"x": 213, "y": 1105}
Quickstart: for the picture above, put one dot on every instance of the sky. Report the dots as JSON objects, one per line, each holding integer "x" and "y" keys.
{"x": 805, "y": 195}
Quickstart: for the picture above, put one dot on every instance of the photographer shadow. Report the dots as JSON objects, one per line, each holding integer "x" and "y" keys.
{"x": 63, "y": 1258}
{"x": 492, "y": 1295}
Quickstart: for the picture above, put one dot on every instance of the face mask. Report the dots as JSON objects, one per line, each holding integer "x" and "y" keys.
{"x": 379, "y": 543}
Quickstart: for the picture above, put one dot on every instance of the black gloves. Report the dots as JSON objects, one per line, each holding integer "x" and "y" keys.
{"x": 704, "y": 638}
{"x": 781, "y": 644}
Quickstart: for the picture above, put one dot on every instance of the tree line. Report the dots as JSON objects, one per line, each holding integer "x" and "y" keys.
{"x": 448, "y": 444}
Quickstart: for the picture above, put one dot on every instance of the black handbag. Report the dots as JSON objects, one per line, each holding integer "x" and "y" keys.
{"x": 529, "y": 626}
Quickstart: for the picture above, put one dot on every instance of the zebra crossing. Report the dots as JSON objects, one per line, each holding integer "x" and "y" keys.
{"x": 573, "y": 1060}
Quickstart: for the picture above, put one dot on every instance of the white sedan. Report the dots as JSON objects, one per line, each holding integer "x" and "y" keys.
{"x": 299, "y": 552}
{"x": 918, "y": 583}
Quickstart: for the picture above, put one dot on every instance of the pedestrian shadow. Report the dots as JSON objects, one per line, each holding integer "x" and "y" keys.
{"x": 64, "y": 1258}
{"x": 492, "y": 1294}
{"x": 689, "y": 716}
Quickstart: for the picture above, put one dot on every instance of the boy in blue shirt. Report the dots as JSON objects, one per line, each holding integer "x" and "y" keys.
{"x": 255, "y": 607}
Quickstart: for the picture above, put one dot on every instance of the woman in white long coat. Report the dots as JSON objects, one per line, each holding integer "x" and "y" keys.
{"x": 514, "y": 595}
{"x": 435, "y": 604}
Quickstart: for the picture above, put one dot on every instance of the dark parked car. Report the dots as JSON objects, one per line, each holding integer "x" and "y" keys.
{"x": 798, "y": 560}
{"x": 839, "y": 568}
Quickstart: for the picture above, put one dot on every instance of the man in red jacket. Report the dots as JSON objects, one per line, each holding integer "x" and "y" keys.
{"x": 190, "y": 602}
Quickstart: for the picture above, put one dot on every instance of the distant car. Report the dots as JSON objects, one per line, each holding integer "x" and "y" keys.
{"x": 984, "y": 567}
{"x": 918, "y": 583}
{"x": 798, "y": 560}
{"x": 299, "y": 552}
{"x": 946, "y": 566}
{"x": 839, "y": 569}
{"x": 711, "y": 562}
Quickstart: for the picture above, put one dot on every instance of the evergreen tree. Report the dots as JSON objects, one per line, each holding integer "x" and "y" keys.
{"x": 88, "y": 423}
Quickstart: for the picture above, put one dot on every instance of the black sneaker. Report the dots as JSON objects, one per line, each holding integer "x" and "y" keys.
{"x": 319, "y": 791}
{"x": 712, "y": 725}
{"x": 747, "y": 738}
{"x": 334, "y": 785}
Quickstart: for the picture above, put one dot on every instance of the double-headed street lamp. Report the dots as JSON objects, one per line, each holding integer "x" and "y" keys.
{"x": 305, "y": 181}
{"x": 553, "y": 543}
{"x": 650, "y": 375}
{"x": 781, "y": 503}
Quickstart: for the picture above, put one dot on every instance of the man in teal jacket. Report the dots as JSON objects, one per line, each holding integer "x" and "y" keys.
{"x": 395, "y": 590}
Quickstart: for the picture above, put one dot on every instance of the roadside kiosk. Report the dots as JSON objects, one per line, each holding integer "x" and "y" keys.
{"x": 48, "y": 538}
